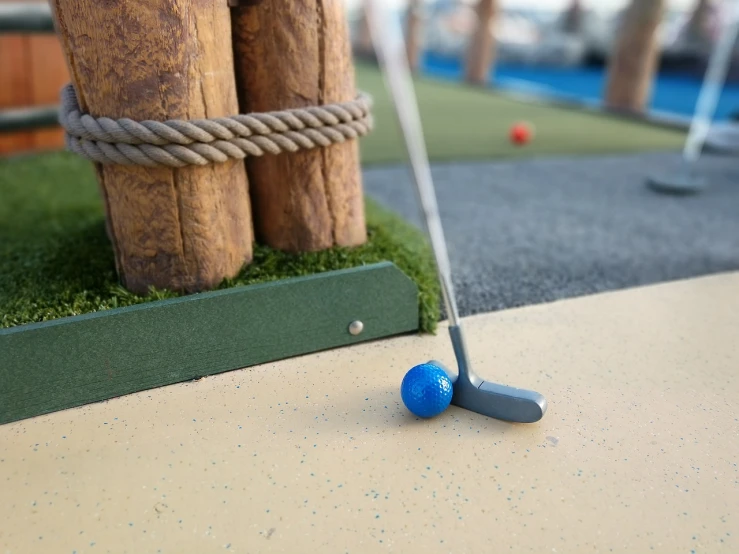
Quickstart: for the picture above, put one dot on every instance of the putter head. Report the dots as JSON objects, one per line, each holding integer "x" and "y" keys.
{"x": 494, "y": 400}
{"x": 490, "y": 399}
{"x": 679, "y": 183}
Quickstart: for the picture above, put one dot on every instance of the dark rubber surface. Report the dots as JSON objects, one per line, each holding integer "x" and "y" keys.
{"x": 526, "y": 232}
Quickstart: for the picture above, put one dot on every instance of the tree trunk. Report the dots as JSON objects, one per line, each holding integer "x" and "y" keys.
{"x": 481, "y": 53}
{"x": 182, "y": 229}
{"x": 413, "y": 34}
{"x": 635, "y": 58}
{"x": 294, "y": 55}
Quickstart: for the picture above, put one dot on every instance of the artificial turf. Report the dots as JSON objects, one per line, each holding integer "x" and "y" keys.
{"x": 56, "y": 261}
{"x": 469, "y": 123}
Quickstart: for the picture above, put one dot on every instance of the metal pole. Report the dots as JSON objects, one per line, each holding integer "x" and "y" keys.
{"x": 686, "y": 181}
{"x": 713, "y": 83}
{"x": 391, "y": 50}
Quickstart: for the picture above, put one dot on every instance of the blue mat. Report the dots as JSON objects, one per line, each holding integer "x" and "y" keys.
{"x": 674, "y": 94}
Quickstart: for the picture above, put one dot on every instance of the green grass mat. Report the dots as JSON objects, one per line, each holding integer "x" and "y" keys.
{"x": 465, "y": 123}
{"x": 56, "y": 260}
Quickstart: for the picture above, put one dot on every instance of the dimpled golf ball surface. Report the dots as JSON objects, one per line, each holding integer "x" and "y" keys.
{"x": 426, "y": 390}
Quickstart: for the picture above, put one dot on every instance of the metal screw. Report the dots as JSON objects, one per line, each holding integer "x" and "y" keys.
{"x": 356, "y": 327}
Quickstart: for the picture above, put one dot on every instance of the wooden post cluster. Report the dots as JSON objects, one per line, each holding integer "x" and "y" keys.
{"x": 187, "y": 229}
{"x": 294, "y": 55}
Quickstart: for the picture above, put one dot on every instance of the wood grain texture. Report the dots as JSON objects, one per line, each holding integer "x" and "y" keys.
{"x": 481, "y": 49}
{"x": 69, "y": 362}
{"x": 634, "y": 60}
{"x": 183, "y": 229}
{"x": 294, "y": 55}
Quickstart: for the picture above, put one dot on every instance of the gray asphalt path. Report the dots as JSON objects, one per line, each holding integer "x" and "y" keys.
{"x": 526, "y": 232}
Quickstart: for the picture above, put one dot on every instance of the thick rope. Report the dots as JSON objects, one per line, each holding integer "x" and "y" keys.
{"x": 178, "y": 143}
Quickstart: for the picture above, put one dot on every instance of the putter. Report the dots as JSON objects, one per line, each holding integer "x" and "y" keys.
{"x": 686, "y": 181}
{"x": 470, "y": 391}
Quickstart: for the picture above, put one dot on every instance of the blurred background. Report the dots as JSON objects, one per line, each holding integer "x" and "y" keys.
{"x": 561, "y": 48}
{"x": 550, "y": 49}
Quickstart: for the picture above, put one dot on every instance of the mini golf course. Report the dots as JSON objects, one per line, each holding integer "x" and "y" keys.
{"x": 529, "y": 231}
{"x": 674, "y": 93}
{"x": 637, "y": 452}
{"x": 57, "y": 261}
{"x": 462, "y": 123}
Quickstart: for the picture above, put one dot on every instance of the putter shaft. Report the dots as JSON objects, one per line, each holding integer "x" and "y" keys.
{"x": 390, "y": 46}
{"x": 710, "y": 92}
{"x": 470, "y": 392}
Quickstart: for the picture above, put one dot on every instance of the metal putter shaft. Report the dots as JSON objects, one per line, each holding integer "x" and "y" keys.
{"x": 713, "y": 83}
{"x": 470, "y": 391}
{"x": 686, "y": 181}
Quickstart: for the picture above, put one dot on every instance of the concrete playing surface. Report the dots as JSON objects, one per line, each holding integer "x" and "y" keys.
{"x": 637, "y": 453}
{"x": 525, "y": 232}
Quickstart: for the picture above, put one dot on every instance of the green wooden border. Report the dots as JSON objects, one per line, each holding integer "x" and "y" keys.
{"x": 59, "y": 364}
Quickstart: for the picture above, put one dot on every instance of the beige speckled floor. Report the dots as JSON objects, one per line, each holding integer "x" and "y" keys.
{"x": 638, "y": 452}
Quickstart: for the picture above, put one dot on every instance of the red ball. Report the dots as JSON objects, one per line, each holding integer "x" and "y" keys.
{"x": 521, "y": 133}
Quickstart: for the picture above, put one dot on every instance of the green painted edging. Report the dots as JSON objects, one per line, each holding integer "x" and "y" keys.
{"x": 54, "y": 365}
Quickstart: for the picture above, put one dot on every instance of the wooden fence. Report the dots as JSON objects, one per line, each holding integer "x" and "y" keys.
{"x": 32, "y": 72}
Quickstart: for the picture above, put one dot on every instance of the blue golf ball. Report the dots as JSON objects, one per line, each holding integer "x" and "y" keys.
{"x": 426, "y": 390}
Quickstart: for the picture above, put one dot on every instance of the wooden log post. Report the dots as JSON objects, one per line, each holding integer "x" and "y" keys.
{"x": 481, "y": 50}
{"x": 634, "y": 61}
{"x": 697, "y": 33}
{"x": 181, "y": 229}
{"x": 364, "y": 47}
{"x": 572, "y": 22}
{"x": 294, "y": 55}
{"x": 414, "y": 28}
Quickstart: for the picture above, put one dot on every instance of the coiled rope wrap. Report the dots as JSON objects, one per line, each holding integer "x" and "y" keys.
{"x": 178, "y": 143}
